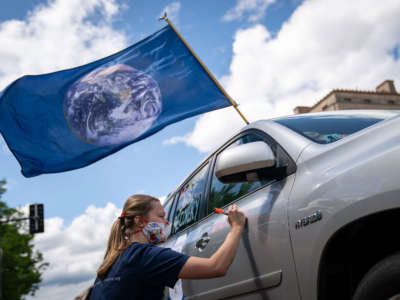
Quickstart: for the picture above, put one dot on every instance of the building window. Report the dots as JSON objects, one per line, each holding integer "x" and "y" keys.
{"x": 391, "y": 102}
{"x": 347, "y": 99}
{"x": 325, "y": 107}
{"x": 368, "y": 101}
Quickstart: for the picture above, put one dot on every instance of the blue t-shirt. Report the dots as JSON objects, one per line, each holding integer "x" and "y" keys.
{"x": 141, "y": 272}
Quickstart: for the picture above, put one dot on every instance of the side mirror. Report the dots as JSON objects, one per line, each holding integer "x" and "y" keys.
{"x": 248, "y": 162}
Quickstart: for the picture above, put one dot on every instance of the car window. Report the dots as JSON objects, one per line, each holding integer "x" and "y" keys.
{"x": 222, "y": 194}
{"x": 167, "y": 207}
{"x": 188, "y": 200}
{"x": 329, "y": 128}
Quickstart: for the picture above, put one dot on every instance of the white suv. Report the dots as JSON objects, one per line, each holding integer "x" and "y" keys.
{"x": 322, "y": 196}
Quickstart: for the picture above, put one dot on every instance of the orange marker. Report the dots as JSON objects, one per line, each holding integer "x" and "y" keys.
{"x": 220, "y": 211}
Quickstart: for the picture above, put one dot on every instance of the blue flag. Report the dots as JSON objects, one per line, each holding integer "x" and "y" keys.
{"x": 69, "y": 119}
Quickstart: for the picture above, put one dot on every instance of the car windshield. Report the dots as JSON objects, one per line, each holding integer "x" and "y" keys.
{"x": 325, "y": 129}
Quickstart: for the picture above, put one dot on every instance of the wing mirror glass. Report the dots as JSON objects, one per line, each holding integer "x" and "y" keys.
{"x": 247, "y": 162}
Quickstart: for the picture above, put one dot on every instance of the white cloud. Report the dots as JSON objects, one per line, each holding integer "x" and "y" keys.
{"x": 172, "y": 11}
{"x": 74, "y": 251}
{"x": 174, "y": 140}
{"x": 60, "y": 34}
{"x": 324, "y": 45}
{"x": 255, "y": 9}
{"x": 62, "y": 291}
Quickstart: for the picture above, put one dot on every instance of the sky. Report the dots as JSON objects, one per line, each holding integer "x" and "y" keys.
{"x": 270, "y": 56}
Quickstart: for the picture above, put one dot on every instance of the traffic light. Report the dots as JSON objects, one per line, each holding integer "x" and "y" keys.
{"x": 36, "y": 218}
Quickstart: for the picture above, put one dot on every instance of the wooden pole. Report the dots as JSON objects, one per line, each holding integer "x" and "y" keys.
{"x": 234, "y": 104}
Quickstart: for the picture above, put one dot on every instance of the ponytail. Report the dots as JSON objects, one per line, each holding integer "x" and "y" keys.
{"x": 136, "y": 205}
{"x": 114, "y": 248}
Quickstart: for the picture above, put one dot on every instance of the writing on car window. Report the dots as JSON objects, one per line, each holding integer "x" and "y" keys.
{"x": 188, "y": 200}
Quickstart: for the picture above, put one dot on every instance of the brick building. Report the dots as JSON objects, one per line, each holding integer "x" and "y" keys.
{"x": 385, "y": 96}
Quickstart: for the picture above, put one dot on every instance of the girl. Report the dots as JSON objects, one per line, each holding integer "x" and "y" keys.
{"x": 134, "y": 268}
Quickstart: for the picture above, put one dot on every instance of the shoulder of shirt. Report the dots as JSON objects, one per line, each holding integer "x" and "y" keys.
{"x": 144, "y": 249}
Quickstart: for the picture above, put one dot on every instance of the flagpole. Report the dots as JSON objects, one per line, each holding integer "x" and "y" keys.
{"x": 234, "y": 104}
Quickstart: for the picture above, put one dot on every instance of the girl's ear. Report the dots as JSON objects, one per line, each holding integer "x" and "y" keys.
{"x": 139, "y": 222}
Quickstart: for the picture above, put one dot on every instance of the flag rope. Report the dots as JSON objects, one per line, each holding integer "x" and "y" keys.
{"x": 234, "y": 104}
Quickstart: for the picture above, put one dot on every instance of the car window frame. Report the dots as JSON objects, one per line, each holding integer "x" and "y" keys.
{"x": 170, "y": 198}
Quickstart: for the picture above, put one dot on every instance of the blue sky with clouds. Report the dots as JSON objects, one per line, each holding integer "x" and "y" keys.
{"x": 270, "y": 55}
{"x": 149, "y": 166}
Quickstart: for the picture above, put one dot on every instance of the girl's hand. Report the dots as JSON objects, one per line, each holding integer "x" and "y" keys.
{"x": 236, "y": 218}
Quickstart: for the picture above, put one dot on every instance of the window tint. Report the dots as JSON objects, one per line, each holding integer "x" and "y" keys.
{"x": 188, "y": 200}
{"x": 222, "y": 194}
{"x": 330, "y": 128}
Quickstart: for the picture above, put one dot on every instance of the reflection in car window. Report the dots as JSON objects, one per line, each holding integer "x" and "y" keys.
{"x": 189, "y": 200}
{"x": 329, "y": 128}
{"x": 221, "y": 194}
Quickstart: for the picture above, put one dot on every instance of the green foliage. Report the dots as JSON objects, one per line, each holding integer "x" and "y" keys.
{"x": 21, "y": 265}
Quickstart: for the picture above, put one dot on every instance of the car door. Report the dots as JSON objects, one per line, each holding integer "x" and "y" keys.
{"x": 263, "y": 267}
{"x": 184, "y": 209}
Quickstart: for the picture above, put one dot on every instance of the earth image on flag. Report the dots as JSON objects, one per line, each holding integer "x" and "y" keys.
{"x": 112, "y": 105}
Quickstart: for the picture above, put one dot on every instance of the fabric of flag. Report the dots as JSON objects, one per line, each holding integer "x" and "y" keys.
{"x": 69, "y": 119}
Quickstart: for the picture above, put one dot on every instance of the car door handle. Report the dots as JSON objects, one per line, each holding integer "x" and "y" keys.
{"x": 202, "y": 242}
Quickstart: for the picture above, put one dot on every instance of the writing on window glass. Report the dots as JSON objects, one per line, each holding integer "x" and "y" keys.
{"x": 189, "y": 200}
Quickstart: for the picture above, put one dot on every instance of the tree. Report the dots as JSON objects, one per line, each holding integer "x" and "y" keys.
{"x": 21, "y": 265}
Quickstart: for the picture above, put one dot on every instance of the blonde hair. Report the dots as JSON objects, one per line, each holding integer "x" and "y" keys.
{"x": 136, "y": 205}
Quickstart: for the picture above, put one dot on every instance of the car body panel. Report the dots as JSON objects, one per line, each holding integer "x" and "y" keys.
{"x": 346, "y": 180}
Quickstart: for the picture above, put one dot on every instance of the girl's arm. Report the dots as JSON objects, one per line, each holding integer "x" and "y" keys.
{"x": 218, "y": 264}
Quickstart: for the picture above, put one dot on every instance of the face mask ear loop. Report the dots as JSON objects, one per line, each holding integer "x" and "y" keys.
{"x": 136, "y": 231}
